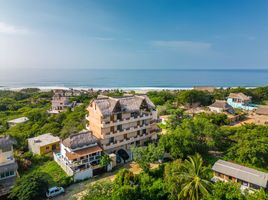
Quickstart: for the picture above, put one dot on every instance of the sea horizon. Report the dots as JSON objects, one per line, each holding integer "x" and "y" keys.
{"x": 132, "y": 79}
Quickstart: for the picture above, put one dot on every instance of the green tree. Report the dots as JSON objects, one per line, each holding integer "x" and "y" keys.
{"x": 193, "y": 175}
{"x": 226, "y": 191}
{"x": 250, "y": 146}
{"x": 99, "y": 191}
{"x": 257, "y": 195}
{"x": 105, "y": 160}
{"x": 146, "y": 155}
{"x": 30, "y": 187}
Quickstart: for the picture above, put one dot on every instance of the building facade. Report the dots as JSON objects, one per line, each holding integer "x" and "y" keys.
{"x": 220, "y": 106}
{"x": 44, "y": 144}
{"x": 122, "y": 122}
{"x": 79, "y": 155}
{"x": 240, "y": 101}
{"x": 248, "y": 178}
{"x": 8, "y": 165}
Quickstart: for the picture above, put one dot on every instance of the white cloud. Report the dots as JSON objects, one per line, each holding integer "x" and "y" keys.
{"x": 183, "y": 45}
{"x": 10, "y": 29}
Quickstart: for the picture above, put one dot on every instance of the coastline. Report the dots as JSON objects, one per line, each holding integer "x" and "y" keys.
{"x": 127, "y": 89}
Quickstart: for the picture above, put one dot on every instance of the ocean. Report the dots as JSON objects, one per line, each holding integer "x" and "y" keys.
{"x": 130, "y": 79}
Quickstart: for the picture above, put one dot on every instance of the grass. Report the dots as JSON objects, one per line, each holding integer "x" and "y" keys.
{"x": 55, "y": 175}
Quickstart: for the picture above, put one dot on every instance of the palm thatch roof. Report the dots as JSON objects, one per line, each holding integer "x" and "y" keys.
{"x": 109, "y": 105}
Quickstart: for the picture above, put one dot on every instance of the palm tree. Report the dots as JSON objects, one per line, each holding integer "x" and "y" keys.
{"x": 194, "y": 186}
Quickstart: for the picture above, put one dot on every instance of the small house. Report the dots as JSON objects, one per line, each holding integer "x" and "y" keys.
{"x": 248, "y": 177}
{"x": 44, "y": 144}
{"x": 17, "y": 121}
{"x": 221, "y": 106}
{"x": 80, "y": 155}
{"x": 240, "y": 101}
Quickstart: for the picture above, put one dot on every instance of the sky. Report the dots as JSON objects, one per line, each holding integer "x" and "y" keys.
{"x": 134, "y": 34}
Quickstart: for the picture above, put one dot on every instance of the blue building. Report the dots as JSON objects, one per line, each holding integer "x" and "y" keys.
{"x": 240, "y": 101}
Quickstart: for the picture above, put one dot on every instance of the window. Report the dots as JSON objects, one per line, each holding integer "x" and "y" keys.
{"x": 144, "y": 131}
{"x": 111, "y": 140}
{"x": 119, "y": 116}
{"x": 47, "y": 147}
{"x": 7, "y": 148}
{"x": 119, "y": 127}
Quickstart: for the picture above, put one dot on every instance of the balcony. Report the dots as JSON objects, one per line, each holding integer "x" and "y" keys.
{"x": 127, "y": 120}
{"x": 126, "y": 141}
{"x": 126, "y": 130}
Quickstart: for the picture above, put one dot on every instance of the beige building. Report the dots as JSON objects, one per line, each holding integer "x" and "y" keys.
{"x": 122, "y": 122}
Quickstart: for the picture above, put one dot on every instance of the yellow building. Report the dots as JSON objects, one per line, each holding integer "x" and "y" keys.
{"x": 44, "y": 144}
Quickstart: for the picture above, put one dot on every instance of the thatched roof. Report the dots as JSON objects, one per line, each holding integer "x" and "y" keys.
{"x": 240, "y": 95}
{"x": 221, "y": 104}
{"x": 262, "y": 110}
{"x": 78, "y": 140}
{"x": 109, "y": 105}
{"x": 6, "y": 142}
{"x": 240, "y": 172}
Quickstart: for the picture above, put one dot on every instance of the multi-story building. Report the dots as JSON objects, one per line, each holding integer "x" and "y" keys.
{"x": 122, "y": 122}
{"x": 61, "y": 101}
{"x": 8, "y": 165}
{"x": 79, "y": 155}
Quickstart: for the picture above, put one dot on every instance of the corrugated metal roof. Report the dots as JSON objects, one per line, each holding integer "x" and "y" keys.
{"x": 241, "y": 172}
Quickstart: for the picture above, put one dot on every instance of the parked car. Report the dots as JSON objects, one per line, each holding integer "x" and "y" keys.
{"x": 165, "y": 159}
{"x": 54, "y": 191}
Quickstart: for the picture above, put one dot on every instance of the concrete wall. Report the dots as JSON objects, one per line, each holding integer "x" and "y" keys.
{"x": 82, "y": 175}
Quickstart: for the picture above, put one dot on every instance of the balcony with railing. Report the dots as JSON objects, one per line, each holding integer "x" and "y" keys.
{"x": 126, "y": 120}
{"x": 127, "y": 130}
{"x": 126, "y": 141}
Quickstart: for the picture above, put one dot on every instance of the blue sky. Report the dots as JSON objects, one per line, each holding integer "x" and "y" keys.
{"x": 151, "y": 34}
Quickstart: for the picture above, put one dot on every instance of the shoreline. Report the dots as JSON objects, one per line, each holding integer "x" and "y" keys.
{"x": 136, "y": 89}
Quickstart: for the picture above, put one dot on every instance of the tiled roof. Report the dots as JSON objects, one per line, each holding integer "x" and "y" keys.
{"x": 241, "y": 172}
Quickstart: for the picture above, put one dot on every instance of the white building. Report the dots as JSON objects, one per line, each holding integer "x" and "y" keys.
{"x": 8, "y": 165}
{"x": 17, "y": 121}
{"x": 79, "y": 155}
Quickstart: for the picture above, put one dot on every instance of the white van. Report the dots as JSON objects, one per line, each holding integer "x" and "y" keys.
{"x": 54, "y": 191}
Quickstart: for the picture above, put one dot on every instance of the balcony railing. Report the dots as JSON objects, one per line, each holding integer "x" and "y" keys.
{"x": 126, "y": 120}
{"x": 126, "y": 141}
{"x": 126, "y": 130}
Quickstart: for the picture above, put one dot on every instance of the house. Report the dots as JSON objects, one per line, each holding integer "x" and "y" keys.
{"x": 241, "y": 101}
{"x": 80, "y": 155}
{"x": 122, "y": 122}
{"x": 8, "y": 165}
{"x": 248, "y": 177}
{"x": 220, "y": 106}
{"x": 17, "y": 121}
{"x": 60, "y": 101}
{"x": 262, "y": 110}
{"x": 44, "y": 144}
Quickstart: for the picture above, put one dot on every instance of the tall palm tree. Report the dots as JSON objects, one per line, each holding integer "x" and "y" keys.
{"x": 194, "y": 186}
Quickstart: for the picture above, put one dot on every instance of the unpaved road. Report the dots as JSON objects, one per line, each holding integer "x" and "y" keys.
{"x": 77, "y": 190}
